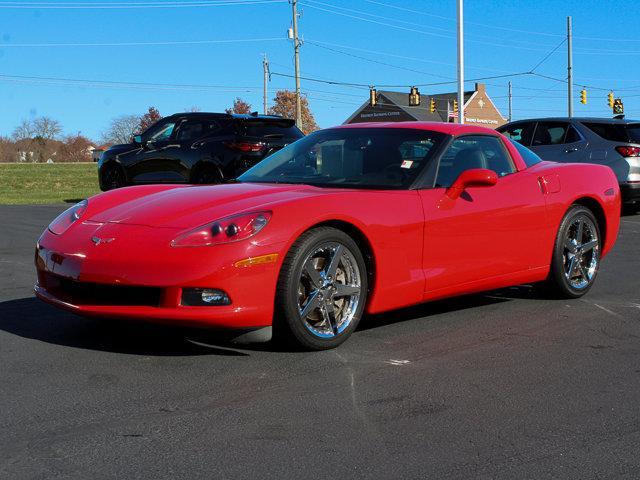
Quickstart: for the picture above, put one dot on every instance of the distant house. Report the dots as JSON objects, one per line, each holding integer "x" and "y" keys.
{"x": 96, "y": 151}
{"x": 394, "y": 107}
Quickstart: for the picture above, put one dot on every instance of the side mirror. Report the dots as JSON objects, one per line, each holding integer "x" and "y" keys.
{"x": 474, "y": 177}
{"x": 137, "y": 139}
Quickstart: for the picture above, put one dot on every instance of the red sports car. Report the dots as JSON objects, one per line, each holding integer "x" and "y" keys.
{"x": 367, "y": 217}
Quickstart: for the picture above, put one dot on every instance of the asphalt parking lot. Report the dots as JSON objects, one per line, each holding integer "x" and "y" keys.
{"x": 502, "y": 385}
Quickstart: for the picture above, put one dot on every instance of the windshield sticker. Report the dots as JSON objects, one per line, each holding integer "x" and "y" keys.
{"x": 406, "y": 164}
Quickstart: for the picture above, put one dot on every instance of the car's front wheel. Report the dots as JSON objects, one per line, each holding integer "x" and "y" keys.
{"x": 576, "y": 255}
{"x": 322, "y": 290}
{"x": 113, "y": 177}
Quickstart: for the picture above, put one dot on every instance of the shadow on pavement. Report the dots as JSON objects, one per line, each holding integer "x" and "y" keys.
{"x": 31, "y": 318}
{"x": 434, "y": 308}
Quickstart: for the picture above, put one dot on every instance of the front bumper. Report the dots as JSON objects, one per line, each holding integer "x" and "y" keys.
{"x": 144, "y": 263}
{"x": 630, "y": 192}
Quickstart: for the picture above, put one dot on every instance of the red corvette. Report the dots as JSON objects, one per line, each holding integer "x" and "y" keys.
{"x": 368, "y": 217}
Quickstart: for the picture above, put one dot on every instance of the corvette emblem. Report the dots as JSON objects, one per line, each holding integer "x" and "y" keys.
{"x": 98, "y": 240}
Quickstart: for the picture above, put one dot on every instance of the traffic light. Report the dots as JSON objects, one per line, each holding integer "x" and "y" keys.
{"x": 583, "y": 96}
{"x": 414, "y": 97}
{"x": 618, "y": 107}
{"x": 373, "y": 97}
{"x": 610, "y": 99}
{"x": 432, "y": 105}
{"x": 455, "y": 106}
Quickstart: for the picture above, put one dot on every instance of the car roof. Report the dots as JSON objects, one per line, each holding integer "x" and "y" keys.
{"x": 442, "y": 127}
{"x": 248, "y": 116}
{"x": 577, "y": 119}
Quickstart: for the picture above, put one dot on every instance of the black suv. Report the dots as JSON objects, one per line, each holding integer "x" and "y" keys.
{"x": 195, "y": 148}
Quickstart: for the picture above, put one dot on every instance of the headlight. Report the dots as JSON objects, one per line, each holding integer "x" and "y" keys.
{"x": 229, "y": 229}
{"x": 67, "y": 218}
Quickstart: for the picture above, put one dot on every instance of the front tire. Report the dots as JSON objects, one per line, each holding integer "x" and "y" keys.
{"x": 113, "y": 177}
{"x": 206, "y": 175}
{"x": 322, "y": 290}
{"x": 576, "y": 254}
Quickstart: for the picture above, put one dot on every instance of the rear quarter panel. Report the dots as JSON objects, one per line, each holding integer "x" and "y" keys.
{"x": 571, "y": 183}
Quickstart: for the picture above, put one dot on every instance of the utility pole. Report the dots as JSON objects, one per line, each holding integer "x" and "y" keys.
{"x": 265, "y": 71}
{"x": 296, "y": 50}
{"x": 569, "y": 70}
{"x": 510, "y": 106}
{"x": 460, "y": 64}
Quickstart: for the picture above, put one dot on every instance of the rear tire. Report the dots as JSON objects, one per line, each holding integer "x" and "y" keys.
{"x": 576, "y": 254}
{"x": 322, "y": 290}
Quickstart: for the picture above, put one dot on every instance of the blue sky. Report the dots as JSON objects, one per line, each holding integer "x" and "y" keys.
{"x": 413, "y": 43}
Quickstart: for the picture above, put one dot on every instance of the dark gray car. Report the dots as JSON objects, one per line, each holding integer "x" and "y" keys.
{"x": 611, "y": 142}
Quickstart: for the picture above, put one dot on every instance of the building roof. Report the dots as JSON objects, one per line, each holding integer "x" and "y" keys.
{"x": 420, "y": 112}
{"x": 437, "y": 126}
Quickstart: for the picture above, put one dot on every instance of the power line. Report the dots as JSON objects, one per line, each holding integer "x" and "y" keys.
{"x": 376, "y": 61}
{"x": 120, "y": 84}
{"x": 128, "y": 5}
{"x": 136, "y": 44}
{"x": 548, "y": 55}
{"x": 405, "y": 57}
{"x": 360, "y": 12}
{"x": 507, "y": 29}
{"x": 423, "y": 32}
{"x": 364, "y": 85}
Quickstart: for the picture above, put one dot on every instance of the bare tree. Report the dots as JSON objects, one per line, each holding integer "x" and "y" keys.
{"x": 36, "y": 139}
{"x": 24, "y": 131}
{"x": 46, "y": 128}
{"x": 121, "y": 129}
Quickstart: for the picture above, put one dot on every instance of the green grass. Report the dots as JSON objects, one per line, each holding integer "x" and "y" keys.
{"x": 38, "y": 183}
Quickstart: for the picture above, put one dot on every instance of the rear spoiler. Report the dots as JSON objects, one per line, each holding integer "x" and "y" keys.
{"x": 280, "y": 122}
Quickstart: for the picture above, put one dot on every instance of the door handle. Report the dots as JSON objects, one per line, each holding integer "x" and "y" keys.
{"x": 569, "y": 150}
{"x": 173, "y": 145}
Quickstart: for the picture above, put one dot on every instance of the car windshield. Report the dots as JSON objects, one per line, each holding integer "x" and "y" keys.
{"x": 350, "y": 158}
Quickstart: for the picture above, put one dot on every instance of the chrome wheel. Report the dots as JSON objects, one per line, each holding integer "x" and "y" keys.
{"x": 581, "y": 252}
{"x": 329, "y": 290}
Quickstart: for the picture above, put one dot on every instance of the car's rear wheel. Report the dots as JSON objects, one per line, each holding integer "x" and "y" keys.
{"x": 322, "y": 290}
{"x": 576, "y": 255}
{"x": 113, "y": 177}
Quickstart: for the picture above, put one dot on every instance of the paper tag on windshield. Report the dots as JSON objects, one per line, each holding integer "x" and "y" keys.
{"x": 406, "y": 164}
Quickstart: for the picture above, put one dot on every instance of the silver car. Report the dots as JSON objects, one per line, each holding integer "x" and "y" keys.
{"x": 611, "y": 142}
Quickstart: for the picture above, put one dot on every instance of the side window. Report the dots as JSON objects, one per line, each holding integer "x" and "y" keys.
{"x": 550, "y": 133}
{"x": 161, "y": 133}
{"x": 520, "y": 132}
{"x": 194, "y": 129}
{"x": 572, "y": 135}
{"x": 473, "y": 151}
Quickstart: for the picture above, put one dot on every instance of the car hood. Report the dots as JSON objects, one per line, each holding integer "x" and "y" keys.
{"x": 186, "y": 207}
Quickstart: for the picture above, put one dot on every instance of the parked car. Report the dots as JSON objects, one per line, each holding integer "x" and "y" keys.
{"x": 195, "y": 148}
{"x": 611, "y": 142}
{"x": 359, "y": 218}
